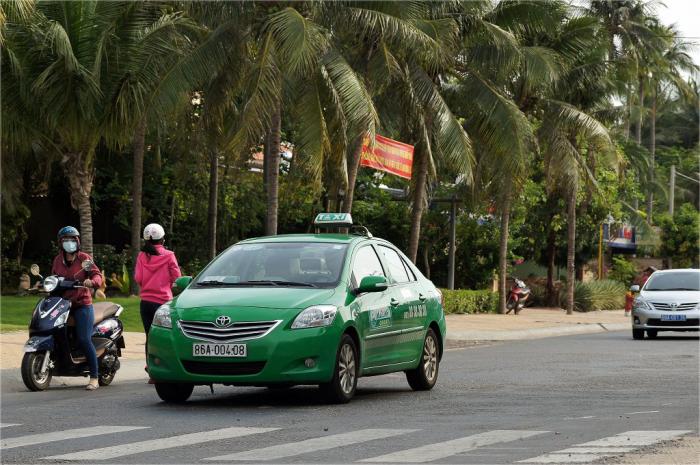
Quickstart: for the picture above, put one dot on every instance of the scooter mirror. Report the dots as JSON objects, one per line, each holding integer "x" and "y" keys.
{"x": 87, "y": 264}
{"x": 34, "y": 269}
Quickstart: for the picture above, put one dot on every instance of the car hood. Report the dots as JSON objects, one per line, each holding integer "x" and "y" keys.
{"x": 671, "y": 296}
{"x": 252, "y": 297}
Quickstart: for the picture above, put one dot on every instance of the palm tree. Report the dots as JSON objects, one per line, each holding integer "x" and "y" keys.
{"x": 75, "y": 85}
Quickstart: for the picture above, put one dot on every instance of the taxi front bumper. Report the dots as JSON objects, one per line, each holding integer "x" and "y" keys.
{"x": 666, "y": 321}
{"x": 298, "y": 356}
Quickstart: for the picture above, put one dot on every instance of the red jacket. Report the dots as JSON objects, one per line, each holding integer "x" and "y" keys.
{"x": 74, "y": 271}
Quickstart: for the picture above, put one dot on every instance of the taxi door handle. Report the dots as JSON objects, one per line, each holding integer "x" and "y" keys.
{"x": 394, "y": 302}
{"x": 421, "y": 297}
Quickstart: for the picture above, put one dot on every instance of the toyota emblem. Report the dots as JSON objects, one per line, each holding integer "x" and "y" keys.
{"x": 674, "y": 306}
{"x": 222, "y": 321}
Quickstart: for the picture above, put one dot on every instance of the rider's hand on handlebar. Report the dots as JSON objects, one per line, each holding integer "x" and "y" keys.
{"x": 87, "y": 283}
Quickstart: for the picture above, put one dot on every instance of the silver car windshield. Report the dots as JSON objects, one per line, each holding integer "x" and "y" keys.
{"x": 273, "y": 264}
{"x": 688, "y": 281}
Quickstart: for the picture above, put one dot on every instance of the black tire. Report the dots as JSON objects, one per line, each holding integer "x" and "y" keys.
{"x": 344, "y": 382}
{"x": 424, "y": 377}
{"x": 174, "y": 393}
{"x": 637, "y": 333}
{"x": 31, "y": 364}
{"x": 652, "y": 333}
{"x": 105, "y": 379}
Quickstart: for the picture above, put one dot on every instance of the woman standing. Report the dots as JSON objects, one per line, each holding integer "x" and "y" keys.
{"x": 69, "y": 264}
{"x": 156, "y": 271}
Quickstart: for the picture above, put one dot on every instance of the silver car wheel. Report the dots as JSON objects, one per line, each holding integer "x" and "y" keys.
{"x": 430, "y": 358}
{"x": 346, "y": 369}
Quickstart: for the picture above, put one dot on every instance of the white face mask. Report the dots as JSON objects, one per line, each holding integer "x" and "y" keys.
{"x": 70, "y": 246}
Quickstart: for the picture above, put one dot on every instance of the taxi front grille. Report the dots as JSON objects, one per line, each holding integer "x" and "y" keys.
{"x": 222, "y": 368}
{"x": 242, "y": 330}
{"x": 665, "y": 307}
{"x": 659, "y": 322}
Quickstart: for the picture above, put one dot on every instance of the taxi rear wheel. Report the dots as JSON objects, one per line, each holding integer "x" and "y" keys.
{"x": 424, "y": 377}
{"x": 174, "y": 393}
{"x": 344, "y": 383}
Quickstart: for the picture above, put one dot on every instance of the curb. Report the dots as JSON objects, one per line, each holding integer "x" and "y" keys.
{"x": 534, "y": 333}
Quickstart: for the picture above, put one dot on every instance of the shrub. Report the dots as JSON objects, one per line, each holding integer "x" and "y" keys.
{"x": 11, "y": 272}
{"x": 623, "y": 271}
{"x": 597, "y": 295}
{"x": 468, "y": 301}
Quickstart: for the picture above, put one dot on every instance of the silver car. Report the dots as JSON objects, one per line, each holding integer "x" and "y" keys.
{"x": 669, "y": 301}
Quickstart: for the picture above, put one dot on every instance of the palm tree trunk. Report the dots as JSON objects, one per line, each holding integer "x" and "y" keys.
{"x": 272, "y": 159}
{"x": 638, "y": 123}
{"x": 628, "y": 110}
{"x": 80, "y": 175}
{"x": 353, "y": 169}
{"x": 652, "y": 153}
{"x": 551, "y": 295}
{"x": 571, "y": 249}
{"x": 213, "y": 197}
{"x": 503, "y": 251}
{"x": 419, "y": 192}
{"x": 138, "y": 145}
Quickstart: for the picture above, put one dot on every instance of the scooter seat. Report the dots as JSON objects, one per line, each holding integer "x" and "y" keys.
{"x": 102, "y": 310}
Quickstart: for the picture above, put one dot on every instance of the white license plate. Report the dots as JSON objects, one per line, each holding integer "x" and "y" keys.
{"x": 673, "y": 317}
{"x": 219, "y": 350}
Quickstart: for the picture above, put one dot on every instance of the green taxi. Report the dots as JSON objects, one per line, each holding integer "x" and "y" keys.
{"x": 285, "y": 310}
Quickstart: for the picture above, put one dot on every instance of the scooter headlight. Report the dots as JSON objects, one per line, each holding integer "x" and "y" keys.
{"x": 162, "y": 317}
{"x": 50, "y": 283}
{"x": 61, "y": 320}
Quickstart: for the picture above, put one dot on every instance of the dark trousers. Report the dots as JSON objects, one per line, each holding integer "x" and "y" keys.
{"x": 84, "y": 321}
{"x": 148, "y": 310}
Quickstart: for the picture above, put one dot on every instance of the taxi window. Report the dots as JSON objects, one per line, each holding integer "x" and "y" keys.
{"x": 395, "y": 265}
{"x": 366, "y": 264}
{"x": 411, "y": 274}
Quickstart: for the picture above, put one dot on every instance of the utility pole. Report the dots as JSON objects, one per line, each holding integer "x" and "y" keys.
{"x": 672, "y": 189}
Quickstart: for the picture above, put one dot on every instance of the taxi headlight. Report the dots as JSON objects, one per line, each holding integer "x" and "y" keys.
{"x": 640, "y": 304}
{"x": 61, "y": 320}
{"x": 50, "y": 283}
{"x": 315, "y": 316}
{"x": 162, "y": 317}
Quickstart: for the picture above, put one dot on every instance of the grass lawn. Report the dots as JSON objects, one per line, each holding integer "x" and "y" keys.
{"x": 15, "y": 312}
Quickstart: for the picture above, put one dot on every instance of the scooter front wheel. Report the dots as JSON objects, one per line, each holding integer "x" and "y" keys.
{"x": 32, "y": 376}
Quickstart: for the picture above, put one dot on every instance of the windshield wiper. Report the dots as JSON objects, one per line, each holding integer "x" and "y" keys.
{"x": 214, "y": 283}
{"x": 277, "y": 282}
{"x": 673, "y": 289}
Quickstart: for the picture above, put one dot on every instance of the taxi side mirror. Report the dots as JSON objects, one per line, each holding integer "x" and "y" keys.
{"x": 372, "y": 284}
{"x": 634, "y": 288}
{"x": 182, "y": 282}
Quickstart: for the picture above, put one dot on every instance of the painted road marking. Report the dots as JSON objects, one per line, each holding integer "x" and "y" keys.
{"x": 106, "y": 453}
{"x": 41, "y": 438}
{"x": 313, "y": 445}
{"x": 445, "y": 449}
{"x": 5, "y": 425}
{"x": 606, "y": 447}
{"x": 637, "y": 413}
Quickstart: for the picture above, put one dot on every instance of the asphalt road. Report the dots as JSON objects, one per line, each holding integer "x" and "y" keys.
{"x": 558, "y": 400}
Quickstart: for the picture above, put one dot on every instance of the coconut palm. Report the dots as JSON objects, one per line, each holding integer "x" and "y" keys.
{"x": 69, "y": 85}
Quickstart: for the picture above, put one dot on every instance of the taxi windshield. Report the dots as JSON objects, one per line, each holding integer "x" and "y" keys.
{"x": 275, "y": 264}
{"x": 688, "y": 281}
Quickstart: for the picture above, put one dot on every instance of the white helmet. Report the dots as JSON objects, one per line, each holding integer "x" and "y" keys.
{"x": 153, "y": 232}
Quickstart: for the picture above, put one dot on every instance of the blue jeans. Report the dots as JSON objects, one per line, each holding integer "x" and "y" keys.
{"x": 84, "y": 321}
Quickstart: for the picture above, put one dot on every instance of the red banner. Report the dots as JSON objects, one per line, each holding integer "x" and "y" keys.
{"x": 388, "y": 155}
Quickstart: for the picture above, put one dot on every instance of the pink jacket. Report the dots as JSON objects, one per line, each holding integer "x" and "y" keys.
{"x": 155, "y": 275}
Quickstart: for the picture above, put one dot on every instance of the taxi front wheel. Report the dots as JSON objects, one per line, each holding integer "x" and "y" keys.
{"x": 342, "y": 387}
{"x": 424, "y": 377}
{"x": 174, "y": 393}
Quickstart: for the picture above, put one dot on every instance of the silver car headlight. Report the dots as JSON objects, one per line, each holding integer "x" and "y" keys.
{"x": 50, "y": 283}
{"x": 315, "y": 316}
{"x": 162, "y": 317}
{"x": 640, "y": 304}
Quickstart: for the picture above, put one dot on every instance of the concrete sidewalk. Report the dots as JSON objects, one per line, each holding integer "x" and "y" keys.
{"x": 532, "y": 323}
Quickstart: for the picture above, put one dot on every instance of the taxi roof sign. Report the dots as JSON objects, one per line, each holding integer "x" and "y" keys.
{"x": 333, "y": 219}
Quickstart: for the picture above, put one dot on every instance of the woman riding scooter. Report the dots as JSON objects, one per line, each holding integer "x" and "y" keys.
{"x": 68, "y": 264}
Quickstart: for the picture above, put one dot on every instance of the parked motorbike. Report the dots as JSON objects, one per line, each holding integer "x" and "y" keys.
{"x": 52, "y": 346}
{"x": 518, "y": 296}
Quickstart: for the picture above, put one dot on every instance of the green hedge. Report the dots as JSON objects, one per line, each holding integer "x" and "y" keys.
{"x": 467, "y": 301}
{"x": 596, "y": 295}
